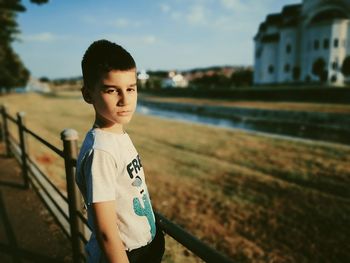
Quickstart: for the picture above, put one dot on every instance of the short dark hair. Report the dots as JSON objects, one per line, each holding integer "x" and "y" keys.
{"x": 101, "y": 57}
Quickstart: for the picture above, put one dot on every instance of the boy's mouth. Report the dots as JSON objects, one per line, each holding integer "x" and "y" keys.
{"x": 124, "y": 113}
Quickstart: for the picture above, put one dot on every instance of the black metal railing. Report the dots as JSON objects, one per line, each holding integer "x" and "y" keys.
{"x": 67, "y": 208}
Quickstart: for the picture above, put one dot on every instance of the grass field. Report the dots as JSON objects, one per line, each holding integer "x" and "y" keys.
{"x": 255, "y": 198}
{"x": 290, "y": 106}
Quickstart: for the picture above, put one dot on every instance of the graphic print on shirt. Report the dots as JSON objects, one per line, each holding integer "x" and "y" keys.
{"x": 145, "y": 210}
{"x": 141, "y": 207}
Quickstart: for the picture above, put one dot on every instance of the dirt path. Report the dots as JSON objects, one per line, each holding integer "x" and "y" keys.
{"x": 28, "y": 233}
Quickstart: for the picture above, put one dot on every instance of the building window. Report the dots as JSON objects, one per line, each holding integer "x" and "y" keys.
{"x": 271, "y": 69}
{"x": 288, "y": 48}
{"x": 258, "y": 52}
{"x": 335, "y": 65}
{"x": 286, "y": 68}
{"x": 326, "y": 43}
{"x": 334, "y": 78}
{"x": 316, "y": 44}
{"x": 336, "y": 42}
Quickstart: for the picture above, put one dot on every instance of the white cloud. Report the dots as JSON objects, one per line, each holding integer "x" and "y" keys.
{"x": 176, "y": 15}
{"x": 221, "y": 15}
{"x": 123, "y": 23}
{"x": 119, "y": 22}
{"x": 242, "y": 16}
{"x": 132, "y": 39}
{"x": 149, "y": 39}
{"x": 164, "y": 8}
{"x": 238, "y": 16}
{"x": 235, "y": 5}
{"x": 197, "y": 15}
{"x": 40, "y": 37}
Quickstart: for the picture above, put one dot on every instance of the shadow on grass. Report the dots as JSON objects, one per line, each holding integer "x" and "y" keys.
{"x": 10, "y": 182}
{"x": 309, "y": 226}
{"x": 12, "y": 248}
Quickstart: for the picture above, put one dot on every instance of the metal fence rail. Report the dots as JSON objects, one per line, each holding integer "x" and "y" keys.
{"x": 66, "y": 208}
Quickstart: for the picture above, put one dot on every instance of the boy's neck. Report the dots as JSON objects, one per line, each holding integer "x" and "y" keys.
{"x": 117, "y": 128}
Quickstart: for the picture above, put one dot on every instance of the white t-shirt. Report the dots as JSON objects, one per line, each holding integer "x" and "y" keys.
{"x": 109, "y": 168}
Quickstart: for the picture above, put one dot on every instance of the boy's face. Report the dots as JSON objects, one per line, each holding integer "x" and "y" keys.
{"x": 114, "y": 99}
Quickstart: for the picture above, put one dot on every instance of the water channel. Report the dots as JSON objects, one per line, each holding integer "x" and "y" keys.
{"x": 281, "y": 127}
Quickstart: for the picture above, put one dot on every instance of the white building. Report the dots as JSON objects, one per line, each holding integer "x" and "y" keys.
{"x": 35, "y": 85}
{"x": 289, "y": 43}
{"x": 174, "y": 80}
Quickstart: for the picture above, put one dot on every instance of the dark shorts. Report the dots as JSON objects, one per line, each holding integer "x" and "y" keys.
{"x": 151, "y": 253}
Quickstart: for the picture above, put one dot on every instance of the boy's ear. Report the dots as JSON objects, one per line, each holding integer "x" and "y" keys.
{"x": 86, "y": 94}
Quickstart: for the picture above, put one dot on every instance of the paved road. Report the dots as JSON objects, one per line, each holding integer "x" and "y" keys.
{"x": 28, "y": 233}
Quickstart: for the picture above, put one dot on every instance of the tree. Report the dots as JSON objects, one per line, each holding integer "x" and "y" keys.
{"x": 319, "y": 69}
{"x": 345, "y": 69}
{"x": 216, "y": 80}
{"x": 45, "y": 79}
{"x": 12, "y": 71}
{"x": 243, "y": 77}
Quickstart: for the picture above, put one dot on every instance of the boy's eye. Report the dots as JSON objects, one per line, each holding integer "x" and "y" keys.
{"x": 110, "y": 91}
{"x": 133, "y": 88}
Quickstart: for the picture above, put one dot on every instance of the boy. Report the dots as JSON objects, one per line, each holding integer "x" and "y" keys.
{"x": 109, "y": 171}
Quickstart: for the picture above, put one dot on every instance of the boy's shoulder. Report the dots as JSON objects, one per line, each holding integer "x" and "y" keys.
{"x": 97, "y": 139}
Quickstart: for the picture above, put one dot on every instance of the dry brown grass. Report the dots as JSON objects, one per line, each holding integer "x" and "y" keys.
{"x": 292, "y": 106}
{"x": 258, "y": 199}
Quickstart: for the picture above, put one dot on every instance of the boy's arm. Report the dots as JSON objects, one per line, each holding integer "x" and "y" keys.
{"x": 107, "y": 232}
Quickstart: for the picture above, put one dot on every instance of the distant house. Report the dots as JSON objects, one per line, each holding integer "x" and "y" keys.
{"x": 306, "y": 42}
{"x": 174, "y": 80}
{"x": 142, "y": 76}
{"x": 35, "y": 85}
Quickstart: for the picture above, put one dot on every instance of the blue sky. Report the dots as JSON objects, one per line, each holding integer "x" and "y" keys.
{"x": 160, "y": 34}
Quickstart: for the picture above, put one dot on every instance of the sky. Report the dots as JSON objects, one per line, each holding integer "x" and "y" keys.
{"x": 160, "y": 34}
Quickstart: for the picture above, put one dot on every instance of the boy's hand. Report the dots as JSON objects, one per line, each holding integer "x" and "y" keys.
{"x": 107, "y": 232}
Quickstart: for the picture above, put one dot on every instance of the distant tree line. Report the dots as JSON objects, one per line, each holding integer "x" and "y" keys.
{"x": 206, "y": 78}
{"x": 242, "y": 77}
{"x": 65, "y": 81}
{"x": 13, "y": 73}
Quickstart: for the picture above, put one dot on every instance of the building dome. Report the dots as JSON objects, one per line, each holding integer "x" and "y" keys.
{"x": 315, "y": 11}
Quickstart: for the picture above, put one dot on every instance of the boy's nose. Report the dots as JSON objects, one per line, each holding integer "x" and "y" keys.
{"x": 123, "y": 100}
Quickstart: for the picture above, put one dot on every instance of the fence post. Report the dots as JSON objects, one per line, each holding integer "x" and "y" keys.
{"x": 70, "y": 149}
{"x": 23, "y": 146}
{"x": 6, "y": 131}
{"x": 1, "y": 124}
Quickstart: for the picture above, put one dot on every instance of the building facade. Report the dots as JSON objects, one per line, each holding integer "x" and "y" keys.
{"x": 306, "y": 42}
